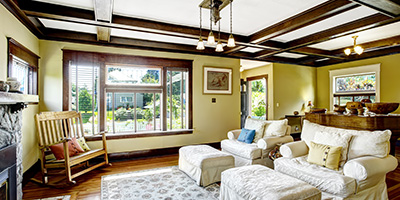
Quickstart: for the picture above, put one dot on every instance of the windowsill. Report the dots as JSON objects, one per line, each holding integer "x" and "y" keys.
{"x": 111, "y": 136}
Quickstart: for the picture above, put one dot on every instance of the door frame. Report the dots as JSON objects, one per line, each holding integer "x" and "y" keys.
{"x": 253, "y": 78}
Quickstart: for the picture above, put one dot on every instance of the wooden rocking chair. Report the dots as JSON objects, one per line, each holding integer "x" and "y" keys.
{"x": 61, "y": 127}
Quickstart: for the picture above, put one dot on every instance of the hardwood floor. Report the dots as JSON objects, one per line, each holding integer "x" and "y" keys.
{"x": 88, "y": 186}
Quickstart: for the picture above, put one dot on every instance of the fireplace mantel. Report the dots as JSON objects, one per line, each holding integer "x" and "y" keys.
{"x": 14, "y": 98}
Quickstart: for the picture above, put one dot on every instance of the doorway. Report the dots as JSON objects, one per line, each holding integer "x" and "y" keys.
{"x": 257, "y": 97}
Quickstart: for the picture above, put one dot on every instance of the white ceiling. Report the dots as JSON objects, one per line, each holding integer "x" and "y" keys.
{"x": 249, "y": 16}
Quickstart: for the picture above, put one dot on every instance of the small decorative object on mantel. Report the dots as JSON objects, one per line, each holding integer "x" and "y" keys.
{"x": 4, "y": 86}
{"x": 339, "y": 109}
{"x": 14, "y": 84}
{"x": 382, "y": 108}
{"x": 353, "y": 107}
{"x": 296, "y": 112}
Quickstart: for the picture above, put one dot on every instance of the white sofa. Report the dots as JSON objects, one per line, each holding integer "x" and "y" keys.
{"x": 362, "y": 171}
{"x": 268, "y": 135}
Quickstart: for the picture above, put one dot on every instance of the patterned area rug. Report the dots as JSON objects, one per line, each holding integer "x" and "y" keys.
{"x": 167, "y": 183}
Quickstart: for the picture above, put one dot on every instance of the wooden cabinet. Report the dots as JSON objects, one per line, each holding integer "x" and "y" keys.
{"x": 381, "y": 122}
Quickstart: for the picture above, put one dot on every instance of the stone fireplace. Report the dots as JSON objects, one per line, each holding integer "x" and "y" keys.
{"x": 11, "y": 106}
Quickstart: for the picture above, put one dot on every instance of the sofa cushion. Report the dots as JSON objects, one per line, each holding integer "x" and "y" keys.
{"x": 326, "y": 180}
{"x": 246, "y": 136}
{"x": 255, "y": 124}
{"x": 324, "y": 155}
{"x": 275, "y": 128}
{"x": 369, "y": 143}
{"x": 363, "y": 143}
{"x": 248, "y": 151}
{"x": 341, "y": 139}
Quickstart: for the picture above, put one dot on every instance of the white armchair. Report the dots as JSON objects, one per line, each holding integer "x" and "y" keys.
{"x": 257, "y": 152}
{"x": 362, "y": 175}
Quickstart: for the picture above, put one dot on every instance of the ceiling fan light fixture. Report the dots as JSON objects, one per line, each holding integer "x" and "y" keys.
{"x": 347, "y": 51}
{"x": 200, "y": 44}
{"x": 231, "y": 41}
{"x": 358, "y": 49}
{"x": 211, "y": 38}
{"x": 219, "y": 47}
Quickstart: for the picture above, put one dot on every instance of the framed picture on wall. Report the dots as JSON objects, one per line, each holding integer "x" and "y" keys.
{"x": 217, "y": 80}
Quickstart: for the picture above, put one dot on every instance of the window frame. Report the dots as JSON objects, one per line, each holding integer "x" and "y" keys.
{"x": 361, "y": 70}
{"x": 106, "y": 59}
{"x": 31, "y": 59}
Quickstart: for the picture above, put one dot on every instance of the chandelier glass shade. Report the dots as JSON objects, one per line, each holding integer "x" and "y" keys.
{"x": 211, "y": 38}
{"x": 356, "y": 48}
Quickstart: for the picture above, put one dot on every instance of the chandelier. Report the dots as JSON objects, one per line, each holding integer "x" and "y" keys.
{"x": 215, "y": 7}
{"x": 356, "y": 48}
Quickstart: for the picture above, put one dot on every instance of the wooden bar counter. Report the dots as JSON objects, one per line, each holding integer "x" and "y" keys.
{"x": 379, "y": 122}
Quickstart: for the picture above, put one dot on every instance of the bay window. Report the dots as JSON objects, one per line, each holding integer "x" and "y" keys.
{"x": 133, "y": 96}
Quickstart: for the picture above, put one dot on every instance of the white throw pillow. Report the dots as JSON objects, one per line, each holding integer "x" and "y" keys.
{"x": 255, "y": 124}
{"x": 335, "y": 139}
{"x": 275, "y": 128}
{"x": 370, "y": 143}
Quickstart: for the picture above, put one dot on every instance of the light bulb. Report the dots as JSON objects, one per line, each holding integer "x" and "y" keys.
{"x": 200, "y": 44}
{"x": 347, "y": 51}
{"x": 358, "y": 49}
{"x": 211, "y": 39}
{"x": 219, "y": 47}
{"x": 231, "y": 41}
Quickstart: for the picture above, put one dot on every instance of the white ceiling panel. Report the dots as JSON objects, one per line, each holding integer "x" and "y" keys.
{"x": 337, "y": 20}
{"x": 363, "y": 37}
{"x": 249, "y": 16}
{"x": 84, "y": 4}
{"x": 152, "y": 37}
{"x": 68, "y": 26}
{"x": 290, "y": 55}
{"x": 251, "y": 49}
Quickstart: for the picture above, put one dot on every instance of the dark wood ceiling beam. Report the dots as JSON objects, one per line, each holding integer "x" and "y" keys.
{"x": 13, "y": 8}
{"x": 377, "y": 53}
{"x": 392, "y": 41}
{"x": 386, "y": 7}
{"x": 308, "y": 17}
{"x": 366, "y": 23}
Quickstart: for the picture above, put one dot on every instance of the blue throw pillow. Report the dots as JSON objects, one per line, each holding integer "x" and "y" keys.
{"x": 247, "y": 136}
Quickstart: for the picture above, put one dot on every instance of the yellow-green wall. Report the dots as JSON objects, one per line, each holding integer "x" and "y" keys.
{"x": 211, "y": 121}
{"x": 294, "y": 85}
{"x": 263, "y": 70}
{"x": 390, "y": 73}
{"x": 11, "y": 27}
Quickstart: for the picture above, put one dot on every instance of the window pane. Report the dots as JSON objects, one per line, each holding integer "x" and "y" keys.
{"x": 258, "y": 98}
{"x": 124, "y": 112}
{"x": 20, "y": 70}
{"x": 345, "y": 99}
{"x": 176, "y": 100}
{"x": 133, "y": 75}
{"x": 357, "y": 83}
{"x": 84, "y": 82}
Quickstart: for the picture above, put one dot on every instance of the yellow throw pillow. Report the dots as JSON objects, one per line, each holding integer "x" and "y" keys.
{"x": 324, "y": 155}
{"x": 82, "y": 143}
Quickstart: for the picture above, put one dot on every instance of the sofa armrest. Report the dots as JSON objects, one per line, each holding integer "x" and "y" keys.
{"x": 270, "y": 142}
{"x": 294, "y": 149}
{"x": 368, "y": 166}
{"x": 234, "y": 134}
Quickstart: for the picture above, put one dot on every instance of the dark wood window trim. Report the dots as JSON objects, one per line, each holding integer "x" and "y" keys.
{"x": 103, "y": 59}
{"x": 252, "y": 78}
{"x": 20, "y": 51}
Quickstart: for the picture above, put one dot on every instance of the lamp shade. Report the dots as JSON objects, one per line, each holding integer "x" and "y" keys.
{"x": 219, "y": 47}
{"x": 200, "y": 44}
{"x": 347, "y": 51}
{"x": 358, "y": 49}
{"x": 211, "y": 39}
{"x": 231, "y": 41}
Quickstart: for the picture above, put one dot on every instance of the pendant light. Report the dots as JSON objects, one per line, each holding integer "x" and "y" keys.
{"x": 356, "y": 48}
{"x": 200, "y": 43}
{"x": 231, "y": 40}
{"x": 219, "y": 47}
{"x": 211, "y": 38}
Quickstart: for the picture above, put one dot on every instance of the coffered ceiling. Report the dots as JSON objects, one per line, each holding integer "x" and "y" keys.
{"x": 306, "y": 32}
